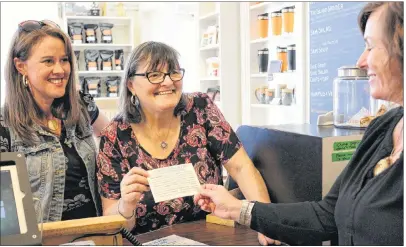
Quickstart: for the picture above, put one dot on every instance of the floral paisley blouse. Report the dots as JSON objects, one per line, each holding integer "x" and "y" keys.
{"x": 206, "y": 140}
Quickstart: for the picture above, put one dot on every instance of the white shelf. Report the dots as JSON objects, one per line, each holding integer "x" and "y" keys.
{"x": 261, "y": 40}
{"x": 210, "y": 78}
{"x": 260, "y": 75}
{"x": 78, "y": 17}
{"x": 210, "y": 47}
{"x": 99, "y": 18}
{"x": 115, "y": 20}
{"x": 210, "y": 16}
{"x": 259, "y": 5}
{"x": 101, "y": 46}
{"x": 105, "y": 99}
{"x": 254, "y": 113}
{"x": 101, "y": 72}
{"x": 225, "y": 15}
{"x": 269, "y": 106}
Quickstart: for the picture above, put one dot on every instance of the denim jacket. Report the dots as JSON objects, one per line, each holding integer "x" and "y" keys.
{"x": 46, "y": 165}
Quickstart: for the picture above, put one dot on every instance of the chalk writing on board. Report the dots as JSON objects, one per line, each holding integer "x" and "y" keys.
{"x": 335, "y": 41}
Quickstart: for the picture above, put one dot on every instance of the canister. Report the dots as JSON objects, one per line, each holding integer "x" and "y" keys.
{"x": 291, "y": 58}
{"x": 282, "y": 54}
{"x": 276, "y": 19}
{"x": 262, "y": 25}
{"x": 287, "y": 96}
{"x": 288, "y": 19}
{"x": 263, "y": 56}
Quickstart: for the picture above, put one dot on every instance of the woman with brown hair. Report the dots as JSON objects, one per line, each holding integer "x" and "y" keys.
{"x": 48, "y": 120}
{"x": 160, "y": 126}
{"x": 365, "y": 205}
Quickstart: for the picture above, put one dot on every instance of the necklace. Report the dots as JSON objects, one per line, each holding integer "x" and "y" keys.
{"x": 385, "y": 163}
{"x": 53, "y": 125}
{"x": 163, "y": 144}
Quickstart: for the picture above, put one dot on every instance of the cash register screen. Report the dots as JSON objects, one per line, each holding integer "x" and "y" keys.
{"x": 12, "y": 215}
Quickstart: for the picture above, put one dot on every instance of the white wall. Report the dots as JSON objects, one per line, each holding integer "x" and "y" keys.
{"x": 13, "y": 13}
{"x": 165, "y": 22}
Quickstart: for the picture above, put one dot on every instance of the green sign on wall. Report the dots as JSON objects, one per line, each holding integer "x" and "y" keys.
{"x": 348, "y": 145}
{"x": 342, "y": 156}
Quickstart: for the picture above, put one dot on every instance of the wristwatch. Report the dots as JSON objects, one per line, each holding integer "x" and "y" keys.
{"x": 245, "y": 213}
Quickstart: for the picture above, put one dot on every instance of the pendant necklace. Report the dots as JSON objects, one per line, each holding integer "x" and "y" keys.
{"x": 164, "y": 144}
{"x": 53, "y": 125}
{"x": 385, "y": 163}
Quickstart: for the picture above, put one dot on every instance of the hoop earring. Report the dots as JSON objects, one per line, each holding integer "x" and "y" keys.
{"x": 25, "y": 81}
{"x": 135, "y": 101}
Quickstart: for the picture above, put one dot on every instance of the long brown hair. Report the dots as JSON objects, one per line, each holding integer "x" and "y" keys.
{"x": 20, "y": 109}
{"x": 392, "y": 27}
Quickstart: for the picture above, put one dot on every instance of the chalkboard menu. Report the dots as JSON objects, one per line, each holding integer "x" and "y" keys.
{"x": 335, "y": 41}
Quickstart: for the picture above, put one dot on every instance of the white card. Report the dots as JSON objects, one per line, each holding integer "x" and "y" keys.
{"x": 173, "y": 240}
{"x": 173, "y": 182}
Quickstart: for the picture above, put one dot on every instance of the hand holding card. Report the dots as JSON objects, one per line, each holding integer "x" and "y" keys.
{"x": 133, "y": 185}
{"x": 166, "y": 184}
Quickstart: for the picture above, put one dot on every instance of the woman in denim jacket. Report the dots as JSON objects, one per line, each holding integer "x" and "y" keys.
{"x": 48, "y": 120}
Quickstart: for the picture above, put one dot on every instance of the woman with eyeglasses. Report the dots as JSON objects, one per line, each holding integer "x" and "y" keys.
{"x": 159, "y": 126}
{"x": 48, "y": 120}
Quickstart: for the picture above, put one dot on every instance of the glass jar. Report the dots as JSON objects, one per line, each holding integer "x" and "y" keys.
{"x": 352, "y": 101}
{"x": 287, "y": 96}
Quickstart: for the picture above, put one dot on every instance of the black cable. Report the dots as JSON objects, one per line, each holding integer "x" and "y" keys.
{"x": 131, "y": 238}
{"x": 124, "y": 232}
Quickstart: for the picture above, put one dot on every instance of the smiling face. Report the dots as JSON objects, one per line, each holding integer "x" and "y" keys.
{"x": 385, "y": 75}
{"x": 156, "y": 98}
{"x": 47, "y": 69}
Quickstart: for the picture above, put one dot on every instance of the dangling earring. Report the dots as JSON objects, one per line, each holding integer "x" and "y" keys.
{"x": 25, "y": 81}
{"x": 135, "y": 101}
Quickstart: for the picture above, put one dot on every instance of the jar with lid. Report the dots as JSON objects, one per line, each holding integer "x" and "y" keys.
{"x": 278, "y": 92}
{"x": 351, "y": 101}
{"x": 287, "y": 96}
{"x": 263, "y": 56}
{"x": 288, "y": 19}
{"x": 282, "y": 53}
{"x": 276, "y": 20}
{"x": 291, "y": 58}
{"x": 262, "y": 24}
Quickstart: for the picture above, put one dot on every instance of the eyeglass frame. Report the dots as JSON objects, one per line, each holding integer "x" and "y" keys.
{"x": 165, "y": 74}
{"x": 41, "y": 24}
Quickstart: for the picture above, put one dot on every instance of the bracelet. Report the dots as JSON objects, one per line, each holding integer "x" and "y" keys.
{"x": 118, "y": 210}
{"x": 245, "y": 213}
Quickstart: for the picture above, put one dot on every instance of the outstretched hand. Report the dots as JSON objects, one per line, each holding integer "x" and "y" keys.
{"x": 217, "y": 200}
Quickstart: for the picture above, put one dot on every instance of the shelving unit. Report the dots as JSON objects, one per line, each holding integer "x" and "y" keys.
{"x": 123, "y": 38}
{"x": 225, "y": 15}
{"x": 103, "y": 73}
{"x": 253, "y": 112}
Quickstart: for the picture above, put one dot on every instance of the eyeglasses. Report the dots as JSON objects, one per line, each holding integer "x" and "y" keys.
{"x": 157, "y": 77}
{"x": 31, "y": 25}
